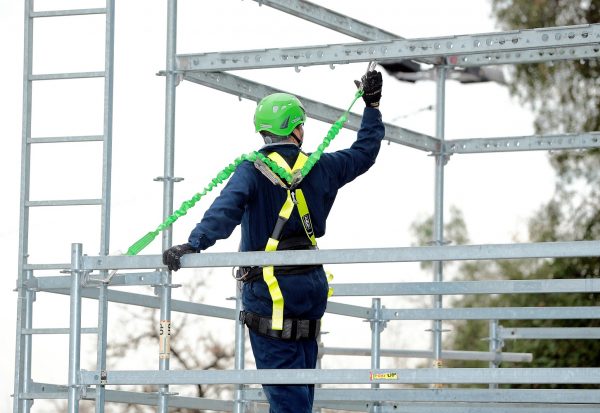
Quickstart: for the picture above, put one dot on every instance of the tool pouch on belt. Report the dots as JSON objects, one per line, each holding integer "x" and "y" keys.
{"x": 293, "y": 329}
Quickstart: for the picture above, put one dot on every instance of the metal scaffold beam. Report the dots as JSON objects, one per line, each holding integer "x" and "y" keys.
{"x": 351, "y": 376}
{"x": 455, "y": 48}
{"x": 329, "y": 18}
{"x": 524, "y": 143}
{"x": 349, "y": 256}
{"x": 248, "y": 89}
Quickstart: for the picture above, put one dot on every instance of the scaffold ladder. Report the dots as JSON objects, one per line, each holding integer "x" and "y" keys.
{"x": 26, "y": 293}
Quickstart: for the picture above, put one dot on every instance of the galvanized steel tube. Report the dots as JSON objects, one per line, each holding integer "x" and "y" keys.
{"x": 376, "y": 327}
{"x": 169, "y": 168}
{"x": 240, "y": 348}
{"x": 19, "y": 374}
{"x": 75, "y": 327}
{"x": 438, "y": 214}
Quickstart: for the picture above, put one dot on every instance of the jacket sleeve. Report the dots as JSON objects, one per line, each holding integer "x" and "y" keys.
{"x": 345, "y": 165}
{"x": 226, "y": 211}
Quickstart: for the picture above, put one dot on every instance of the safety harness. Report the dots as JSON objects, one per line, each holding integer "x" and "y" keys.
{"x": 276, "y": 326}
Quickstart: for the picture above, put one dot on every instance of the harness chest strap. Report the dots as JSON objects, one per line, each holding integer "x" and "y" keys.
{"x": 296, "y": 198}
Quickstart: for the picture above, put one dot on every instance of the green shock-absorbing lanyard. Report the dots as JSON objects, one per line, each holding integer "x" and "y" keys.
{"x": 143, "y": 242}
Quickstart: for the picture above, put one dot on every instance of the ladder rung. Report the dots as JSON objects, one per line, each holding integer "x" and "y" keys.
{"x": 76, "y": 75}
{"x": 64, "y": 202}
{"x": 44, "y": 267}
{"x": 73, "y": 12}
{"x": 92, "y": 330}
{"x": 63, "y": 139}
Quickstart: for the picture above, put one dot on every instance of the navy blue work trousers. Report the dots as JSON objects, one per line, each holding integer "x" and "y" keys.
{"x": 272, "y": 353}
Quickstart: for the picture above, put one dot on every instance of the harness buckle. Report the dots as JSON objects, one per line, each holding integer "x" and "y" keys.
{"x": 243, "y": 274}
{"x": 296, "y": 178}
{"x": 242, "y": 317}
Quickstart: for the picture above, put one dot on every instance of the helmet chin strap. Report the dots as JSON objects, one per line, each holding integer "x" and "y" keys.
{"x": 298, "y": 141}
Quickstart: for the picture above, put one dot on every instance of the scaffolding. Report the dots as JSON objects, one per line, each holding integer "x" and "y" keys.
{"x": 89, "y": 276}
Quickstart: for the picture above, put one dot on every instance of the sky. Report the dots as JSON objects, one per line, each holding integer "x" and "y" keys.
{"x": 496, "y": 192}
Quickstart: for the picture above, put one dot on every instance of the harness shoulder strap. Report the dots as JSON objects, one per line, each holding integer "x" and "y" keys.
{"x": 295, "y": 197}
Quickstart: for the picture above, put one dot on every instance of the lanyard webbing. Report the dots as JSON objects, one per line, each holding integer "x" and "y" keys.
{"x": 294, "y": 198}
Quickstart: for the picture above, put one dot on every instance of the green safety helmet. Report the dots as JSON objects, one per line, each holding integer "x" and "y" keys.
{"x": 279, "y": 114}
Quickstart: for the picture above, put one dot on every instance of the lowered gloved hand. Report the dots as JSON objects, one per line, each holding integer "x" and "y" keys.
{"x": 172, "y": 256}
{"x": 372, "y": 84}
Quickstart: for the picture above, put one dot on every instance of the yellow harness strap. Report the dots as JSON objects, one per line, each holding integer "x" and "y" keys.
{"x": 294, "y": 198}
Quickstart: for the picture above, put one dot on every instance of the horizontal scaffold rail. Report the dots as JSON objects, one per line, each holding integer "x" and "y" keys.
{"x": 550, "y": 333}
{"x": 446, "y": 354}
{"x": 580, "y": 285}
{"x": 349, "y": 376}
{"x": 454, "y": 48}
{"x": 544, "y": 286}
{"x": 547, "y": 396}
{"x": 150, "y": 301}
{"x": 469, "y": 313}
{"x": 350, "y": 256}
{"x": 256, "y": 91}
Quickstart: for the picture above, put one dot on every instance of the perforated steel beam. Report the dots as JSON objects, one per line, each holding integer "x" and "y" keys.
{"x": 525, "y": 56}
{"x": 329, "y": 18}
{"x": 452, "y": 47}
{"x": 248, "y": 89}
{"x": 524, "y": 143}
{"x": 335, "y": 21}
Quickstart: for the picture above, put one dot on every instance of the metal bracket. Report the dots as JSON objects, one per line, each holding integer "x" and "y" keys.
{"x": 85, "y": 278}
{"x": 445, "y": 155}
{"x": 167, "y": 393}
{"x": 443, "y": 330}
{"x": 168, "y": 178}
{"x": 381, "y": 321}
{"x": 177, "y": 73}
{"x": 157, "y": 286}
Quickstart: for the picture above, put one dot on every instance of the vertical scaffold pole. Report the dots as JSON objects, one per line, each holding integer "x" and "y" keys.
{"x": 27, "y": 323}
{"x": 20, "y": 378}
{"x": 376, "y": 328}
{"x": 438, "y": 215}
{"x": 109, "y": 46}
{"x": 240, "y": 347}
{"x": 75, "y": 327}
{"x": 495, "y": 347}
{"x": 168, "y": 181}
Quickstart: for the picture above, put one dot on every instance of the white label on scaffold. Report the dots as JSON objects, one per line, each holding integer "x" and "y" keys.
{"x": 164, "y": 339}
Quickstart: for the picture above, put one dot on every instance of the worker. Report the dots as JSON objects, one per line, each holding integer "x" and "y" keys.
{"x": 283, "y": 305}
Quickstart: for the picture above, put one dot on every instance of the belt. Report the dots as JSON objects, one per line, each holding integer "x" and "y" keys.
{"x": 249, "y": 274}
{"x": 293, "y": 329}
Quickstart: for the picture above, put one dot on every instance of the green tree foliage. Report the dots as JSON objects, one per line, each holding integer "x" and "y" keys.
{"x": 564, "y": 94}
{"x": 565, "y": 97}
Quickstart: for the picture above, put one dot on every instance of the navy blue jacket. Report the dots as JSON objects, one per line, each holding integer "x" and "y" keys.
{"x": 251, "y": 199}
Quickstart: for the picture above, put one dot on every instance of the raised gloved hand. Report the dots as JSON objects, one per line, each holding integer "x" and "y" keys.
{"x": 372, "y": 84}
{"x": 172, "y": 256}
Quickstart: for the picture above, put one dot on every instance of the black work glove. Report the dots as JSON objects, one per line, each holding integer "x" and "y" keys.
{"x": 372, "y": 84}
{"x": 172, "y": 256}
